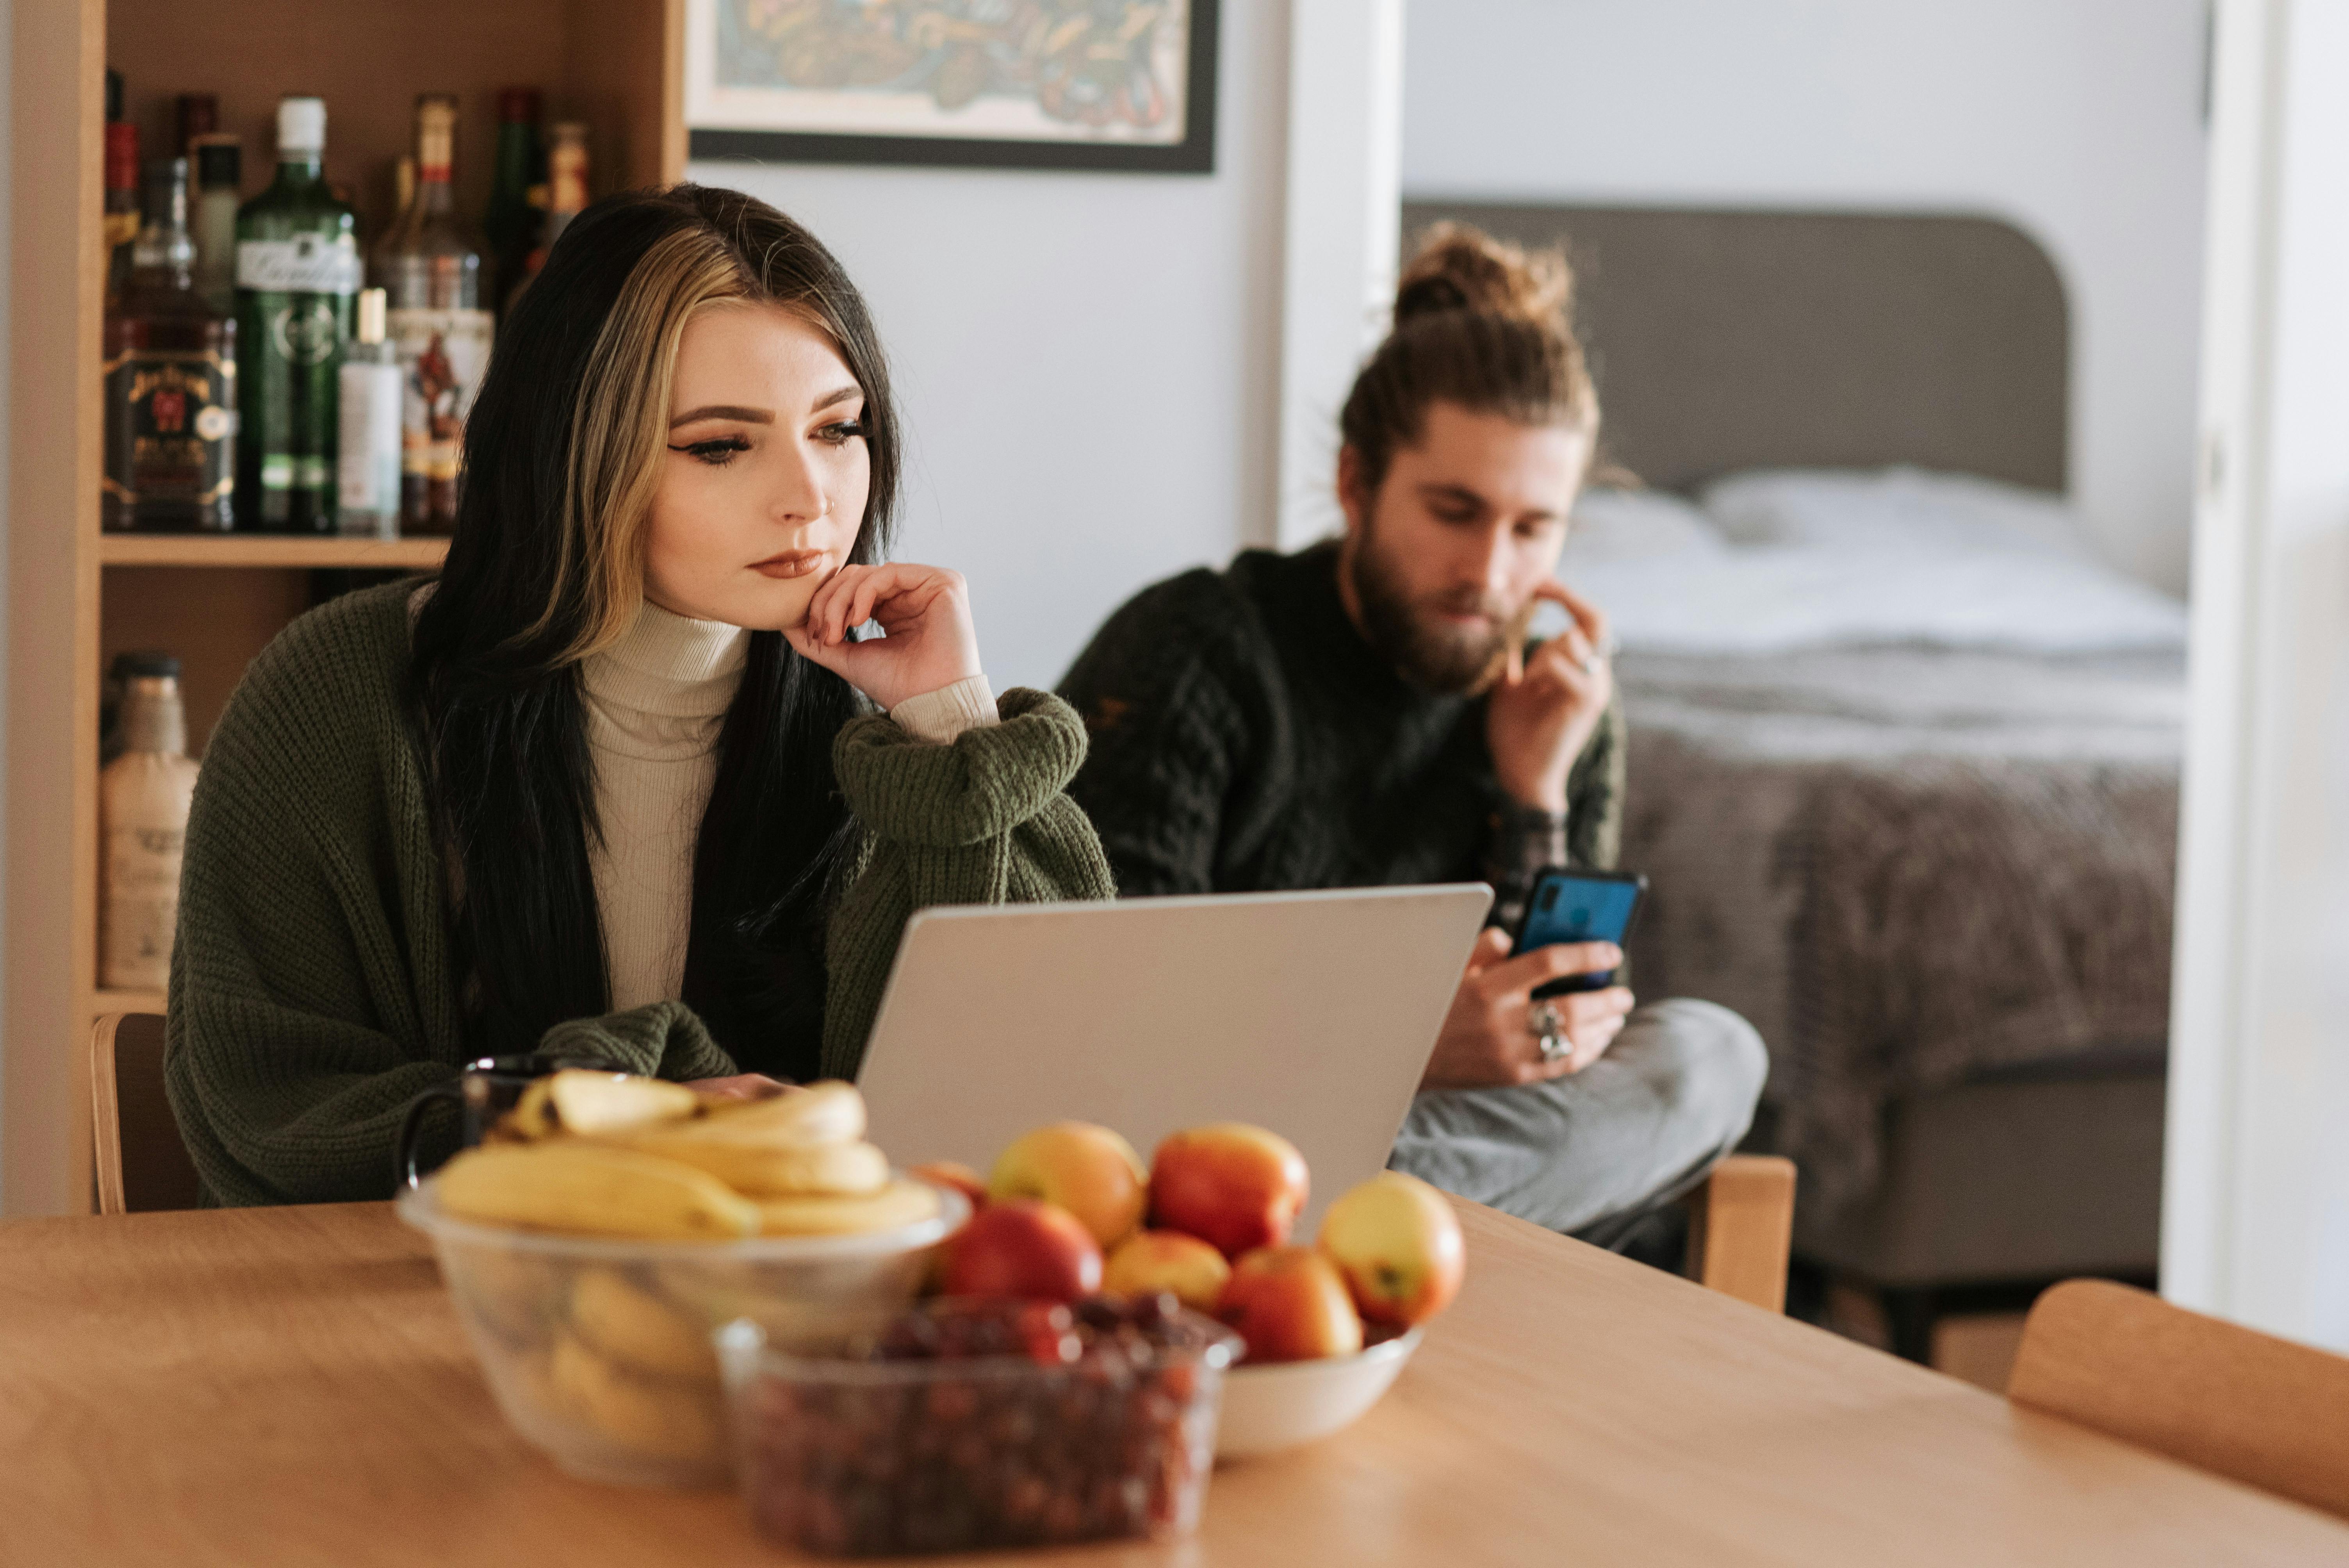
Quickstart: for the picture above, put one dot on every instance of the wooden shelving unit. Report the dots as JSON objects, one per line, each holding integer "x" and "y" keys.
{"x": 235, "y": 550}
{"x": 76, "y": 596}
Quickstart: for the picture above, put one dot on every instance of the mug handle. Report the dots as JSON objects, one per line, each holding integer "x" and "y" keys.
{"x": 412, "y": 1124}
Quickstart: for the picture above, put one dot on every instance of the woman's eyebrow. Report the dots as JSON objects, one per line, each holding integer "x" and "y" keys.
{"x": 837, "y": 395}
{"x": 725, "y": 411}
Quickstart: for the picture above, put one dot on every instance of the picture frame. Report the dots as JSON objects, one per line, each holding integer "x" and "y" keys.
{"x": 1126, "y": 86}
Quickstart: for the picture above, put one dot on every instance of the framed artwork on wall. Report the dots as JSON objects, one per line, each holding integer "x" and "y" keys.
{"x": 1120, "y": 86}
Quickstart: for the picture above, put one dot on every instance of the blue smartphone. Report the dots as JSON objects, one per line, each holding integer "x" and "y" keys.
{"x": 1580, "y": 906}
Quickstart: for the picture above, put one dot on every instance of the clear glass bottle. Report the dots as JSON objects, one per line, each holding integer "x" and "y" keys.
{"x": 219, "y": 171}
{"x": 430, "y": 266}
{"x": 371, "y": 397}
{"x": 143, "y": 799}
{"x": 297, "y": 282}
{"x": 170, "y": 373}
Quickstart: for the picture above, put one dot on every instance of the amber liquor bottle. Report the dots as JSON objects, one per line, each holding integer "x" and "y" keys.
{"x": 170, "y": 371}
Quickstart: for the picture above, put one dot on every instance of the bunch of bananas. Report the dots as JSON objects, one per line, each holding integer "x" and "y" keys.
{"x": 609, "y": 1154}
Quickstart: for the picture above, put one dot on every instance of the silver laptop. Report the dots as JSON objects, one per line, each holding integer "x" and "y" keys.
{"x": 1309, "y": 1013}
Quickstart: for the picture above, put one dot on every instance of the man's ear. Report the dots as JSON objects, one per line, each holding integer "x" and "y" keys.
{"x": 1350, "y": 499}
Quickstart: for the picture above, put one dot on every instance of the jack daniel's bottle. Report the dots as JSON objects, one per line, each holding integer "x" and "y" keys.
{"x": 298, "y": 279}
{"x": 171, "y": 380}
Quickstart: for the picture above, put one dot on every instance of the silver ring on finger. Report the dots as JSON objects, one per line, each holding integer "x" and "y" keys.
{"x": 1548, "y": 1027}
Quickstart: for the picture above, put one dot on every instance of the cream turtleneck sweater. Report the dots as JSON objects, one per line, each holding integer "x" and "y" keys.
{"x": 655, "y": 703}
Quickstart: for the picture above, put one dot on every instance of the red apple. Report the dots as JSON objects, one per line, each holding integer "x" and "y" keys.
{"x": 1233, "y": 1186}
{"x": 955, "y": 1174}
{"x": 1089, "y": 1170}
{"x": 1290, "y": 1305}
{"x": 1022, "y": 1248}
{"x": 1149, "y": 1261}
{"x": 1395, "y": 1240}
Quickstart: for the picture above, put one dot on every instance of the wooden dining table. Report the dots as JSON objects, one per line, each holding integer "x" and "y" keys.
{"x": 291, "y": 1387}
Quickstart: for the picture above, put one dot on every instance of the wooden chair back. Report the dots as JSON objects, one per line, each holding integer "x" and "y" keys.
{"x": 142, "y": 1165}
{"x": 1742, "y": 1228}
{"x": 2217, "y": 1396}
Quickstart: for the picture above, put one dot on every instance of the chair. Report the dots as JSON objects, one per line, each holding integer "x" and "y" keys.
{"x": 1740, "y": 1228}
{"x": 2225, "y": 1398}
{"x": 142, "y": 1165}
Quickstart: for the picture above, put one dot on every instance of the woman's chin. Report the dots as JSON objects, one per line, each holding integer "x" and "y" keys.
{"x": 781, "y": 606}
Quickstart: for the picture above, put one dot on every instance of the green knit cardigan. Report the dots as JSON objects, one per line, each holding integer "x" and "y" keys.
{"x": 311, "y": 994}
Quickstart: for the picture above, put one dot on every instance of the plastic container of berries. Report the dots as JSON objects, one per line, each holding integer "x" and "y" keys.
{"x": 978, "y": 1423}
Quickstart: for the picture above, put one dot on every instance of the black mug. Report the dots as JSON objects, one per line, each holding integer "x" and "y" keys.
{"x": 484, "y": 1091}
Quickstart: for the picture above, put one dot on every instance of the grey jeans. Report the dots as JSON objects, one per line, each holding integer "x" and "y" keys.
{"x": 1589, "y": 1153}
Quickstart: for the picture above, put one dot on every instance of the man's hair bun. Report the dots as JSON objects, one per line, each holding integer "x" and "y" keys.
{"x": 1457, "y": 267}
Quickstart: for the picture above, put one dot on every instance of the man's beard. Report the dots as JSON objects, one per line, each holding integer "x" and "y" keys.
{"x": 1411, "y": 634}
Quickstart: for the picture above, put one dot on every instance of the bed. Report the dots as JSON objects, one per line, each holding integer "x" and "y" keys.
{"x": 1904, "y": 751}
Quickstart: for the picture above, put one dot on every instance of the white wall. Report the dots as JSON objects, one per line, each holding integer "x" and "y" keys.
{"x": 2077, "y": 120}
{"x": 1088, "y": 364}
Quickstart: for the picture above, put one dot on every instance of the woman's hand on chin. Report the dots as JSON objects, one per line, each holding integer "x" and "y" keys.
{"x": 927, "y": 639}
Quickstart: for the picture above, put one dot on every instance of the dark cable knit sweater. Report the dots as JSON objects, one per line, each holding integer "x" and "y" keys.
{"x": 311, "y": 992}
{"x": 1246, "y": 738}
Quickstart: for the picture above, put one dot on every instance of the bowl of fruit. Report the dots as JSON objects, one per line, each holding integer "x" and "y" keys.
{"x": 610, "y": 1223}
{"x": 1325, "y": 1329}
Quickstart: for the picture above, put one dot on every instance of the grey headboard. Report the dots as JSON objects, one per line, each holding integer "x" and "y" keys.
{"x": 1728, "y": 340}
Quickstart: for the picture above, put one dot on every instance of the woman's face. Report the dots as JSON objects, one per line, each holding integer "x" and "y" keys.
{"x": 762, "y": 488}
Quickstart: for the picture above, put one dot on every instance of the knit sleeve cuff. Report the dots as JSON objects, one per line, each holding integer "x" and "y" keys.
{"x": 989, "y": 781}
{"x": 942, "y": 715}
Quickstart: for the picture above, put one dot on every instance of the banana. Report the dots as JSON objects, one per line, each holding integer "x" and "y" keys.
{"x": 638, "y": 1330}
{"x": 679, "y": 1422}
{"x": 771, "y": 1169}
{"x": 827, "y": 1112}
{"x": 594, "y": 1190}
{"x": 899, "y": 1204}
{"x": 575, "y": 1099}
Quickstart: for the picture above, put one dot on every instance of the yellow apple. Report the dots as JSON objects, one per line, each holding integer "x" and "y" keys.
{"x": 1089, "y": 1170}
{"x": 1150, "y": 1261}
{"x": 1396, "y": 1241}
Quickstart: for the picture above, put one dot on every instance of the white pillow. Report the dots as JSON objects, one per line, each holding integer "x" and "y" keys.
{"x": 1638, "y": 525}
{"x": 1896, "y": 508}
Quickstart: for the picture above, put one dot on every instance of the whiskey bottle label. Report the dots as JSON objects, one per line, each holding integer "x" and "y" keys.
{"x": 441, "y": 355}
{"x": 170, "y": 427}
{"x": 306, "y": 264}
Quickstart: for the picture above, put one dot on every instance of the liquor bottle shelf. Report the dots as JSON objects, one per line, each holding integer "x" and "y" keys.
{"x": 266, "y": 549}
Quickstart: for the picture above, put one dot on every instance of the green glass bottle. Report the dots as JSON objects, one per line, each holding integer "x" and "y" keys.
{"x": 297, "y": 281}
{"x": 517, "y": 190}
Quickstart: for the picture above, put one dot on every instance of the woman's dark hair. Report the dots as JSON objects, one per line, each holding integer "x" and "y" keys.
{"x": 1478, "y": 324}
{"x": 562, "y": 454}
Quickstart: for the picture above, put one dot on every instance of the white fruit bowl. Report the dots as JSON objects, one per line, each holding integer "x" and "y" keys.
{"x": 598, "y": 1348}
{"x": 1284, "y": 1403}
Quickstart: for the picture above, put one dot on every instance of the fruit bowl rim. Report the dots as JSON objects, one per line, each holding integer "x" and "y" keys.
{"x": 1399, "y": 1348}
{"x": 419, "y": 1207}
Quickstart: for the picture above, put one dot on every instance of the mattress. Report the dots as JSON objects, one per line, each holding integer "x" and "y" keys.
{"x": 1904, "y": 783}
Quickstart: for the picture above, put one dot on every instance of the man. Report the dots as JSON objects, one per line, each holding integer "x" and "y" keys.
{"x": 1364, "y": 714}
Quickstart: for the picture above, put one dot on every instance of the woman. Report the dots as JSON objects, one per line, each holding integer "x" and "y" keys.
{"x": 611, "y": 785}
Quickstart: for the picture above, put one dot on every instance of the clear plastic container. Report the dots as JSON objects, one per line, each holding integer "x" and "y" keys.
{"x": 842, "y": 1455}
{"x": 598, "y": 1349}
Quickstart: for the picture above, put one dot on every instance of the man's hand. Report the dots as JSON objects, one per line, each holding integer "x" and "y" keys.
{"x": 1487, "y": 1043}
{"x": 927, "y": 640}
{"x": 741, "y": 1085}
{"x": 1542, "y": 711}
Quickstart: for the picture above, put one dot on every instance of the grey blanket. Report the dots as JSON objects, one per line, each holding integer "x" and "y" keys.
{"x": 1908, "y": 867}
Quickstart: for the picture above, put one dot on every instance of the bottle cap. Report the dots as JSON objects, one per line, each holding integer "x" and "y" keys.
{"x": 150, "y": 662}
{"x": 371, "y": 315}
{"x": 518, "y": 104}
{"x": 301, "y": 125}
{"x": 199, "y": 116}
{"x": 121, "y": 156}
{"x": 220, "y": 163}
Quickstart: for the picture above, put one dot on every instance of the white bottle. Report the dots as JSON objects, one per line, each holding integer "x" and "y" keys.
{"x": 142, "y": 805}
{"x": 366, "y": 464}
